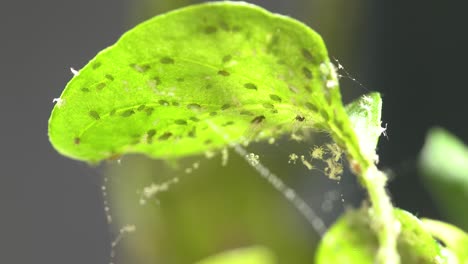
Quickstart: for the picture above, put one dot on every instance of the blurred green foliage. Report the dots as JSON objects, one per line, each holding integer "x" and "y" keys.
{"x": 443, "y": 166}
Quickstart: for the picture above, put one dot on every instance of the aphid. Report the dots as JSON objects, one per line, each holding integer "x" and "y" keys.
{"x": 94, "y": 115}
{"x": 149, "y": 135}
{"x": 250, "y": 86}
{"x": 274, "y": 97}
{"x": 300, "y": 118}
{"x": 165, "y": 136}
{"x": 258, "y": 119}
{"x": 223, "y": 73}
{"x": 127, "y": 113}
{"x": 180, "y": 122}
{"x": 166, "y": 60}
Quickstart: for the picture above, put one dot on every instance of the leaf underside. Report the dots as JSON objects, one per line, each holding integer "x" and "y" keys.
{"x": 197, "y": 79}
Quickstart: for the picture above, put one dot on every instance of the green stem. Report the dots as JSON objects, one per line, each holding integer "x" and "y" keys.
{"x": 384, "y": 223}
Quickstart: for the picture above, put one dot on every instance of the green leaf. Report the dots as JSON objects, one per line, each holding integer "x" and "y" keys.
{"x": 443, "y": 164}
{"x": 351, "y": 240}
{"x": 454, "y": 238}
{"x": 197, "y": 79}
{"x": 252, "y": 255}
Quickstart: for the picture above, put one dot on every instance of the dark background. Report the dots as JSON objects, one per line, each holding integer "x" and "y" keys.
{"x": 51, "y": 209}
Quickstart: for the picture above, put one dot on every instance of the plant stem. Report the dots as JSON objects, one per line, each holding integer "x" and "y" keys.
{"x": 383, "y": 221}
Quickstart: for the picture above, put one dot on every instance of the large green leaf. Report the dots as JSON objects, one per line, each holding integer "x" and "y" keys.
{"x": 196, "y": 79}
{"x": 209, "y": 75}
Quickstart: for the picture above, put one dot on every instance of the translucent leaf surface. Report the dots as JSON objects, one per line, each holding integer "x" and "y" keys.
{"x": 351, "y": 240}
{"x": 253, "y": 255}
{"x": 196, "y": 79}
{"x": 365, "y": 115}
{"x": 444, "y": 167}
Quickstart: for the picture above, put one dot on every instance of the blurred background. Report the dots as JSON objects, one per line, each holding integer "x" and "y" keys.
{"x": 52, "y": 208}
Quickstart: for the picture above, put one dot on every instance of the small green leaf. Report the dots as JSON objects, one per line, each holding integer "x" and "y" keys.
{"x": 454, "y": 238}
{"x": 365, "y": 115}
{"x": 351, "y": 240}
{"x": 252, "y": 255}
{"x": 200, "y": 77}
{"x": 444, "y": 167}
